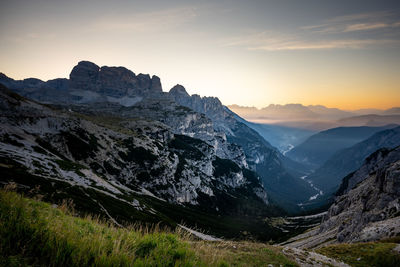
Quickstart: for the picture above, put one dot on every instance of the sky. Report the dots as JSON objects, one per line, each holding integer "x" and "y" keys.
{"x": 343, "y": 54}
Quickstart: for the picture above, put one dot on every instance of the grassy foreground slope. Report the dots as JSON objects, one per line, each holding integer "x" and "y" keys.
{"x": 35, "y": 233}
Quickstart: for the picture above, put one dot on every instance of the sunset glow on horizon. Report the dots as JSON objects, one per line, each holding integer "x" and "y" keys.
{"x": 343, "y": 54}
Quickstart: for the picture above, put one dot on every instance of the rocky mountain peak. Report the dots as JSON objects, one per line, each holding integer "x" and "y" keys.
{"x": 156, "y": 84}
{"x": 84, "y": 75}
{"x": 178, "y": 91}
{"x": 112, "y": 81}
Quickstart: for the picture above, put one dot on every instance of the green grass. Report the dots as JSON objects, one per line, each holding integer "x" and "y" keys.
{"x": 40, "y": 234}
{"x": 34, "y": 233}
{"x": 364, "y": 254}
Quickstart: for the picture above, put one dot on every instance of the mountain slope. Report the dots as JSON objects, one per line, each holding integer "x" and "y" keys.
{"x": 320, "y": 147}
{"x": 291, "y": 112}
{"x": 370, "y": 120}
{"x": 343, "y": 162}
{"x": 138, "y": 165}
{"x": 261, "y": 157}
{"x": 118, "y": 92}
{"x": 368, "y": 209}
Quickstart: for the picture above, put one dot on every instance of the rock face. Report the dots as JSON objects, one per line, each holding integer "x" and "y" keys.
{"x": 89, "y": 83}
{"x": 369, "y": 205}
{"x": 260, "y": 155}
{"x": 210, "y": 106}
{"x": 112, "y": 81}
{"x": 122, "y": 155}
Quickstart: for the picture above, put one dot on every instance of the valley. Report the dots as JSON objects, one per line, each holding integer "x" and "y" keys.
{"x": 200, "y": 133}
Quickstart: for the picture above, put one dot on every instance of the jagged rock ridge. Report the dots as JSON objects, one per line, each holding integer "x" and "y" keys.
{"x": 119, "y": 92}
{"x": 260, "y": 155}
{"x": 137, "y": 154}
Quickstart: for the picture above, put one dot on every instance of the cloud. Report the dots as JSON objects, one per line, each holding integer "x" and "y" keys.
{"x": 321, "y": 45}
{"x": 355, "y": 22}
{"x": 365, "y": 26}
{"x": 273, "y": 41}
{"x": 147, "y": 22}
{"x": 329, "y": 34}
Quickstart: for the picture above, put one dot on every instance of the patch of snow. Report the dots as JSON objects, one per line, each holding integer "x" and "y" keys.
{"x": 87, "y": 96}
{"x": 309, "y": 216}
{"x": 125, "y": 100}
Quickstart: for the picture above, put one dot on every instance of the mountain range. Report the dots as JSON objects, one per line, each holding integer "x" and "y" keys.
{"x": 108, "y": 133}
{"x": 301, "y": 112}
{"x": 345, "y": 161}
{"x": 319, "y": 147}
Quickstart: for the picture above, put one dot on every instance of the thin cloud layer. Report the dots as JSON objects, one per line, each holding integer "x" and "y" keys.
{"x": 148, "y": 21}
{"x": 319, "y": 45}
{"x": 335, "y": 33}
{"x": 356, "y": 22}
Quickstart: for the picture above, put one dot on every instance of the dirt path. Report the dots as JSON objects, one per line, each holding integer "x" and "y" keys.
{"x": 309, "y": 259}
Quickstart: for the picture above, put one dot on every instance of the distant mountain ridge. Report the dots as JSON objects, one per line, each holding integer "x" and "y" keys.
{"x": 301, "y": 112}
{"x": 370, "y": 120}
{"x": 321, "y": 146}
{"x": 328, "y": 177}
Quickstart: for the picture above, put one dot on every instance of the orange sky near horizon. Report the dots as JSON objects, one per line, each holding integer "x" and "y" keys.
{"x": 252, "y": 53}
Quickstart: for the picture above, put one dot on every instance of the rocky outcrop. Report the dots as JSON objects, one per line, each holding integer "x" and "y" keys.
{"x": 180, "y": 120}
{"x": 89, "y": 83}
{"x": 210, "y": 106}
{"x": 112, "y": 81}
{"x": 369, "y": 205}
